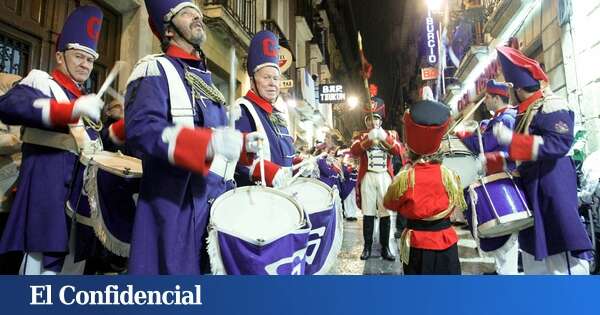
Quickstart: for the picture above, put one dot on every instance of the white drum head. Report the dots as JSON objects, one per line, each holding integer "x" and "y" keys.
{"x": 465, "y": 166}
{"x": 256, "y": 214}
{"x": 312, "y": 194}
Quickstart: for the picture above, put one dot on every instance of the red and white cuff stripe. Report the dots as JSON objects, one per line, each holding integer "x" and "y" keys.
{"x": 525, "y": 147}
{"x": 116, "y": 132}
{"x": 187, "y": 147}
{"x": 495, "y": 162}
{"x": 271, "y": 170}
{"x": 54, "y": 113}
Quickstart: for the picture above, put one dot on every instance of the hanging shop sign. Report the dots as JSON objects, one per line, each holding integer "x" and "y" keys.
{"x": 286, "y": 84}
{"x": 431, "y": 39}
{"x": 430, "y": 73}
{"x": 285, "y": 59}
{"x": 331, "y": 93}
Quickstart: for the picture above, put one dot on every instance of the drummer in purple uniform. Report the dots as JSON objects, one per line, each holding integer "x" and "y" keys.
{"x": 175, "y": 122}
{"x": 557, "y": 243}
{"x": 259, "y": 113}
{"x": 45, "y": 104}
{"x": 504, "y": 249}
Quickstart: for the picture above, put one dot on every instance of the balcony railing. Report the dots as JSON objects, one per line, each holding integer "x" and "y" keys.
{"x": 243, "y": 11}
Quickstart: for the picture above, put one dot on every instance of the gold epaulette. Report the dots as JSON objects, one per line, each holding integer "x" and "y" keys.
{"x": 356, "y": 134}
{"x": 401, "y": 183}
{"x": 451, "y": 182}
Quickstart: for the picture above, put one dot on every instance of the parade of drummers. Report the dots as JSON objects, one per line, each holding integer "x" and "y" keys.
{"x": 306, "y": 137}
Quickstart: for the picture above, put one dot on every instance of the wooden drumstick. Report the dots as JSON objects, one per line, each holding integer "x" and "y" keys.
{"x": 463, "y": 117}
{"x": 110, "y": 77}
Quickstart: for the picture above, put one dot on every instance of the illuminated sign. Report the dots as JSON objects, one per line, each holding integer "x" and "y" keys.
{"x": 331, "y": 93}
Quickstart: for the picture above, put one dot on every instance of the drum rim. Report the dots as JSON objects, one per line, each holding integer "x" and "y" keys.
{"x": 524, "y": 216}
{"x": 87, "y": 160}
{"x": 304, "y": 226}
{"x": 330, "y": 190}
{"x": 489, "y": 179}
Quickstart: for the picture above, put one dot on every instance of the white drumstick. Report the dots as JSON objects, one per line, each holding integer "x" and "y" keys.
{"x": 110, "y": 77}
{"x": 232, "y": 84}
{"x": 116, "y": 95}
{"x": 262, "y": 164}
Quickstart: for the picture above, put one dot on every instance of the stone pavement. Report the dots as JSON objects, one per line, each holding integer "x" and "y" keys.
{"x": 349, "y": 263}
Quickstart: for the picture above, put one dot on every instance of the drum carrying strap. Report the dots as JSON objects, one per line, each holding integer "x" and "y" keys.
{"x": 259, "y": 126}
{"x": 77, "y": 139}
{"x": 182, "y": 113}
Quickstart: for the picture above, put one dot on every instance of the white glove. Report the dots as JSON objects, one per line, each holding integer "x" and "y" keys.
{"x": 254, "y": 141}
{"x": 382, "y": 134}
{"x": 226, "y": 142}
{"x": 503, "y": 134}
{"x": 235, "y": 111}
{"x": 307, "y": 169}
{"x": 282, "y": 178}
{"x": 374, "y": 134}
{"x": 89, "y": 106}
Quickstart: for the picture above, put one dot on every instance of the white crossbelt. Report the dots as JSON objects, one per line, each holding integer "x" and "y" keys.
{"x": 182, "y": 113}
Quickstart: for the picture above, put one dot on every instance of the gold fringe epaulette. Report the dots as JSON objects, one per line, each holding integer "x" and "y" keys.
{"x": 453, "y": 188}
{"x": 401, "y": 183}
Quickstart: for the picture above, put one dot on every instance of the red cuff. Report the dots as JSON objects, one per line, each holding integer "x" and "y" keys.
{"x": 116, "y": 131}
{"x": 463, "y": 134}
{"x": 270, "y": 170}
{"x": 521, "y": 147}
{"x": 60, "y": 113}
{"x": 190, "y": 150}
{"x": 246, "y": 158}
{"x": 495, "y": 162}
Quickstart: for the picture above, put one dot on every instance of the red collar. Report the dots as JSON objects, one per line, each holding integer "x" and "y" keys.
{"x": 177, "y": 52}
{"x": 66, "y": 82}
{"x": 500, "y": 111}
{"x": 530, "y": 100}
{"x": 261, "y": 102}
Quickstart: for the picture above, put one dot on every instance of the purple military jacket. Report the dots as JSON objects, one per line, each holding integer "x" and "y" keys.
{"x": 177, "y": 188}
{"x": 37, "y": 221}
{"x": 547, "y": 175}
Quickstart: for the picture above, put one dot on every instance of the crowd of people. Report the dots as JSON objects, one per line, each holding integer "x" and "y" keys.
{"x": 194, "y": 148}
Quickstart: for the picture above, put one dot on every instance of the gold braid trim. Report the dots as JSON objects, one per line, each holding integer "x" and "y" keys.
{"x": 453, "y": 188}
{"x": 402, "y": 182}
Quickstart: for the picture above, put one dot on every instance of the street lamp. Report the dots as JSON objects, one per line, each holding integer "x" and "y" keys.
{"x": 434, "y": 5}
{"x": 352, "y": 101}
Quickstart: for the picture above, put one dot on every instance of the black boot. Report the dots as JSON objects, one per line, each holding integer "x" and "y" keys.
{"x": 368, "y": 226}
{"x": 384, "y": 239}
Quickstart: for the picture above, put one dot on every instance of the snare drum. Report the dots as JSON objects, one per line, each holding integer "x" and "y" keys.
{"x": 500, "y": 207}
{"x": 257, "y": 230}
{"x": 325, "y": 240}
{"x": 114, "y": 163}
{"x": 457, "y": 157}
{"x": 111, "y": 183}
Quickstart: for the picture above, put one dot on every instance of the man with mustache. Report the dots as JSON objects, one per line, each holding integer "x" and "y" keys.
{"x": 46, "y": 104}
{"x": 175, "y": 122}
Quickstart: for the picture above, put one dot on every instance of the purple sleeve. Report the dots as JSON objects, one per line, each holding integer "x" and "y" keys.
{"x": 16, "y": 107}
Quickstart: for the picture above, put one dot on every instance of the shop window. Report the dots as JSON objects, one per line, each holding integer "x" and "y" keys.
{"x": 14, "y": 55}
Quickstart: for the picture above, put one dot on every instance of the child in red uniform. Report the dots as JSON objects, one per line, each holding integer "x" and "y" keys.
{"x": 426, "y": 193}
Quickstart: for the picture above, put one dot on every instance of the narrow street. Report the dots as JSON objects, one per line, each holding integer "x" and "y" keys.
{"x": 349, "y": 263}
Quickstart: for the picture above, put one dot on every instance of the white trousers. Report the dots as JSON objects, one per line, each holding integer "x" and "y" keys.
{"x": 506, "y": 258}
{"x": 559, "y": 264}
{"x": 350, "y": 207}
{"x": 373, "y": 187}
{"x": 33, "y": 264}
